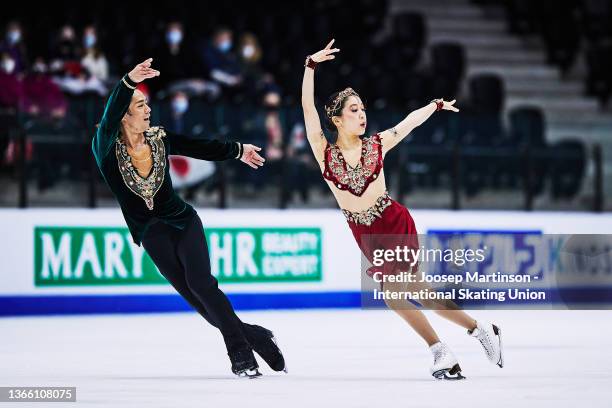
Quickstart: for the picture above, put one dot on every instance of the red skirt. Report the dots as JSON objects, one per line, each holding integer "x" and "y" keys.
{"x": 394, "y": 228}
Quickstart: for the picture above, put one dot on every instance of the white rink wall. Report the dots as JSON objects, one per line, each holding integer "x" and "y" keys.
{"x": 259, "y": 256}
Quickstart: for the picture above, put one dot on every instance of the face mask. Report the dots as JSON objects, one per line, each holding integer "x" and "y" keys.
{"x": 180, "y": 105}
{"x": 174, "y": 36}
{"x": 68, "y": 35}
{"x": 14, "y": 36}
{"x": 225, "y": 45}
{"x": 248, "y": 51}
{"x": 89, "y": 40}
{"x": 39, "y": 68}
{"x": 8, "y": 65}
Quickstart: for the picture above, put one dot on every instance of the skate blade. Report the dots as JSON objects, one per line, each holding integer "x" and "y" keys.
{"x": 497, "y": 332}
{"x": 250, "y": 373}
{"x": 452, "y": 374}
{"x": 285, "y": 370}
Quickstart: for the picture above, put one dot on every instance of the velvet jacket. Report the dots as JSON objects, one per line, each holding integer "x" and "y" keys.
{"x": 144, "y": 201}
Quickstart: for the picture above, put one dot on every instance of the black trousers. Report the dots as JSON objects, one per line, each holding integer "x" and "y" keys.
{"x": 182, "y": 258}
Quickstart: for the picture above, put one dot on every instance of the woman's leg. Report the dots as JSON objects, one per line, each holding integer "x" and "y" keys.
{"x": 413, "y": 316}
{"x": 192, "y": 251}
{"x": 446, "y": 308}
{"x": 458, "y": 317}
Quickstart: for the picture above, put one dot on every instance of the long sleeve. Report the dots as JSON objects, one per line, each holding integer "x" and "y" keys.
{"x": 203, "y": 149}
{"x": 116, "y": 107}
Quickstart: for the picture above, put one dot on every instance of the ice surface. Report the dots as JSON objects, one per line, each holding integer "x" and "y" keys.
{"x": 336, "y": 359}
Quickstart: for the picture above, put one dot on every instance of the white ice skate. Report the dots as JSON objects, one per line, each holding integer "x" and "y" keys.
{"x": 489, "y": 335}
{"x": 445, "y": 365}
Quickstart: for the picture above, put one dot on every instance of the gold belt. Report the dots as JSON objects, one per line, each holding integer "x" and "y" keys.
{"x": 369, "y": 215}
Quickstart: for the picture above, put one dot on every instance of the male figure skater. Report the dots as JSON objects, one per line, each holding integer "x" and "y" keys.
{"x": 133, "y": 159}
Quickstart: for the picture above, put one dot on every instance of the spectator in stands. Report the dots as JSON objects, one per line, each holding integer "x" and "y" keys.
{"x": 189, "y": 174}
{"x": 173, "y": 57}
{"x": 12, "y": 95}
{"x": 217, "y": 57}
{"x": 94, "y": 60}
{"x": 66, "y": 68}
{"x": 250, "y": 54}
{"x": 267, "y": 130}
{"x": 301, "y": 169}
{"x": 179, "y": 105}
{"x": 13, "y": 46}
{"x": 274, "y": 129}
{"x": 42, "y": 96}
{"x": 66, "y": 60}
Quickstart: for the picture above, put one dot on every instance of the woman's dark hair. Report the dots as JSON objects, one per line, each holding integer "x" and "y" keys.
{"x": 334, "y": 105}
{"x": 329, "y": 125}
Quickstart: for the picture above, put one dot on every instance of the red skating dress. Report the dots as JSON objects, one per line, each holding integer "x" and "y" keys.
{"x": 384, "y": 225}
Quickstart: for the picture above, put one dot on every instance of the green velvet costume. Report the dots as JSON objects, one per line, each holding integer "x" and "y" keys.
{"x": 143, "y": 201}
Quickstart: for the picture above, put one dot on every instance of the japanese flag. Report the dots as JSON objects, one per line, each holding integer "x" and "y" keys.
{"x": 186, "y": 172}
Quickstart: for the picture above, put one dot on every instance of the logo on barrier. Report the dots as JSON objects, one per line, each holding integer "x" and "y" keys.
{"x": 82, "y": 256}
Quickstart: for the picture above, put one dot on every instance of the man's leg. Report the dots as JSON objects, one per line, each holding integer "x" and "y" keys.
{"x": 192, "y": 251}
{"x": 162, "y": 250}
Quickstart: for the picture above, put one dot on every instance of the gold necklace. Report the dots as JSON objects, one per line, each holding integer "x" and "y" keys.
{"x": 141, "y": 160}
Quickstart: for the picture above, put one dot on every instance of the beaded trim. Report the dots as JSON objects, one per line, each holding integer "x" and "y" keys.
{"x": 332, "y": 109}
{"x": 145, "y": 188}
{"x": 368, "y": 216}
{"x": 354, "y": 179}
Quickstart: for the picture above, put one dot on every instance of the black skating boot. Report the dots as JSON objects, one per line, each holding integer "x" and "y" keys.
{"x": 244, "y": 363}
{"x": 264, "y": 343}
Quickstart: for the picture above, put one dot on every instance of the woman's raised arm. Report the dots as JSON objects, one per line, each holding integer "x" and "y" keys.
{"x": 314, "y": 133}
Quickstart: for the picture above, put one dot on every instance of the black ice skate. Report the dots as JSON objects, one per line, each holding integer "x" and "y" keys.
{"x": 244, "y": 364}
{"x": 264, "y": 343}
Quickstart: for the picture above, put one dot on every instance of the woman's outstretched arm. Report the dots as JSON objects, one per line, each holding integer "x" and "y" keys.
{"x": 314, "y": 133}
{"x": 393, "y": 136}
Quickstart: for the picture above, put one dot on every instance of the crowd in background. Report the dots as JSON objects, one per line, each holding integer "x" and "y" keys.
{"x": 238, "y": 76}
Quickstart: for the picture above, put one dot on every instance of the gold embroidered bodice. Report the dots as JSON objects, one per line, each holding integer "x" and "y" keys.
{"x": 354, "y": 179}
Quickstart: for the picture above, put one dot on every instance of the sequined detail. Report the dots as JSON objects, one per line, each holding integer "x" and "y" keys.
{"x": 354, "y": 179}
{"x": 369, "y": 215}
{"x": 145, "y": 188}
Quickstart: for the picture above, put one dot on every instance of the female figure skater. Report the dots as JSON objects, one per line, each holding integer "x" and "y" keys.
{"x": 353, "y": 169}
{"x": 133, "y": 159}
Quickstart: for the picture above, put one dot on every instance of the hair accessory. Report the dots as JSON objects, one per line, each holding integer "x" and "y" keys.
{"x": 337, "y": 102}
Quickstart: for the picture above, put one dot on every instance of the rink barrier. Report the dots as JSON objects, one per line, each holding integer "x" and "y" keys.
{"x": 124, "y": 286}
{"x": 157, "y": 303}
{"x": 573, "y": 298}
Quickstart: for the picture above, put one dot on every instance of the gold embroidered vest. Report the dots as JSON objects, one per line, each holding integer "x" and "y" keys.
{"x": 144, "y": 187}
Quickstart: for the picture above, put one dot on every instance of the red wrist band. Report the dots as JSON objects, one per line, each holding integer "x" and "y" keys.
{"x": 439, "y": 104}
{"x": 310, "y": 63}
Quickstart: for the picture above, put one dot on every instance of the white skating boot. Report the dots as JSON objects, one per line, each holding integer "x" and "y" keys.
{"x": 445, "y": 365}
{"x": 489, "y": 335}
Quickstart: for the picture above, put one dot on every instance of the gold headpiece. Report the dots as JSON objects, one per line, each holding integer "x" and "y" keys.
{"x": 329, "y": 110}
